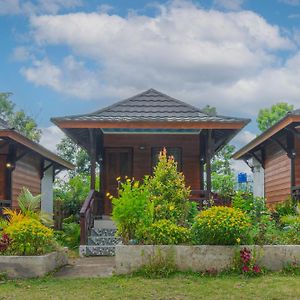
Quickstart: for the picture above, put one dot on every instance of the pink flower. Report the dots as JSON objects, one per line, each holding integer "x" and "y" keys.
{"x": 245, "y": 269}
{"x": 256, "y": 269}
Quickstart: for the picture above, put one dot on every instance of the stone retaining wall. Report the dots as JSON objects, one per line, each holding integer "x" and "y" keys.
{"x": 32, "y": 266}
{"x": 130, "y": 258}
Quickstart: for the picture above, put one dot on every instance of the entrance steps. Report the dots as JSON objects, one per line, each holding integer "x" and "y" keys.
{"x": 102, "y": 239}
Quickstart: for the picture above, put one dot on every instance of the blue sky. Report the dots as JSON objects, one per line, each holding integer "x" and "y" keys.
{"x": 75, "y": 56}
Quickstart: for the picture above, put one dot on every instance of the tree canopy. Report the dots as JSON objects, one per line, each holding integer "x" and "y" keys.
{"x": 269, "y": 116}
{"x": 18, "y": 119}
{"x": 73, "y": 153}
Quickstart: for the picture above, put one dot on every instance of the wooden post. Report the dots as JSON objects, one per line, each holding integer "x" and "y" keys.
{"x": 202, "y": 161}
{"x": 101, "y": 174}
{"x": 208, "y": 160}
{"x": 92, "y": 158}
{"x": 290, "y": 142}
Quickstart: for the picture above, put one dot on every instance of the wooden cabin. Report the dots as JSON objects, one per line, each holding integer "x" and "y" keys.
{"x": 24, "y": 163}
{"x": 126, "y": 137}
{"x": 274, "y": 157}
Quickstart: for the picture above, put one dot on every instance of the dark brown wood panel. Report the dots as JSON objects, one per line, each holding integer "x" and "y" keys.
{"x": 26, "y": 174}
{"x": 3, "y": 195}
{"x": 142, "y": 144}
{"x": 297, "y": 161}
{"x": 119, "y": 163}
{"x": 277, "y": 177}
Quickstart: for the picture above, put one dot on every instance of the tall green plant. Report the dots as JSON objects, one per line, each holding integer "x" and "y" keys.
{"x": 132, "y": 210}
{"x": 30, "y": 205}
{"x": 168, "y": 191}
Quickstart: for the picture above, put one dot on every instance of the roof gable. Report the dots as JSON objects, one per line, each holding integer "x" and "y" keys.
{"x": 150, "y": 105}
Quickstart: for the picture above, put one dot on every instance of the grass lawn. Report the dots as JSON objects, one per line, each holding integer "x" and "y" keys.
{"x": 272, "y": 286}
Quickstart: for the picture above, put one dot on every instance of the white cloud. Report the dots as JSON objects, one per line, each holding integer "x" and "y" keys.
{"x": 226, "y": 59}
{"x": 229, "y": 4}
{"x": 291, "y": 2}
{"x": 9, "y": 7}
{"x": 51, "y": 136}
{"x": 21, "y": 54}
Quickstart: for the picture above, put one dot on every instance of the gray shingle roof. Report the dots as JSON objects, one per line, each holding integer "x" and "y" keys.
{"x": 150, "y": 105}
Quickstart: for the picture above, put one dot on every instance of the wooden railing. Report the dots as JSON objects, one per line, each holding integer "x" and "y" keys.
{"x": 87, "y": 214}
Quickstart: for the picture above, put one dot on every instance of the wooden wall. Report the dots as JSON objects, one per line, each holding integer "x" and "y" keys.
{"x": 26, "y": 174}
{"x": 277, "y": 176}
{"x": 297, "y": 161}
{"x": 189, "y": 145}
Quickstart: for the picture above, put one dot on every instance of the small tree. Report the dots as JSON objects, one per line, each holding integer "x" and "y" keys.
{"x": 168, "y": 191}
{"x": 269, "y": 116}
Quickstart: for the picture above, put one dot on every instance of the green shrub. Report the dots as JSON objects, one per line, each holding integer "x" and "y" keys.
{"x": 29, "y": 237}
{"x": 254, "y": 206}
{"x": 287, "y": 207}
{"x": 168, "y": 191}
{"x": 165, "y": 232}
{"x": 221, "y": 225}
{"x": 69, "y": 236}
{"x": 132, "y": 210}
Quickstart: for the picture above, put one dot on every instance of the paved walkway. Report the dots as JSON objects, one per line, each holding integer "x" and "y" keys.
{"x": 101, "y": 266}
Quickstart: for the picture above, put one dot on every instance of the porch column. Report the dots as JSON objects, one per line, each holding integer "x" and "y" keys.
{"x": 92, "y": 158}
{"x": 291, "y": 153}
{"x": 208, "y": 160}
{"x": 101, "y": 174}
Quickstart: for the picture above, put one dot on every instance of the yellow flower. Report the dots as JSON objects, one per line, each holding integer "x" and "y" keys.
{"x": 238, "y": 240}
{"x": 118, "y": 178}
{"x": 107, "y": 194}
{"x": 171, "y": 207}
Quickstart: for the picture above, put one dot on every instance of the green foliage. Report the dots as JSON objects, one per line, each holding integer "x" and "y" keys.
{"x": 287, "y": 207}
{"x": 254, "y": 206}
{"x": 73, "y": 192}
{"x": 69, "y": 236}
{"x": 159, "y": 266}
{"x": 168, "y": 191}
{"x": 269, "y": 116}
{"x": 18, "y": 119}
{"x": 292, "y": 268}
{"x": 29, "y": 237}
{"x": 222, "y": 176}
{"x": 132, "y": 210}
{"x": 221, "y": 225}
{"x": 73, "y": 153}
{"x": 30, "y": 206}
{"x": 165, "y": 232}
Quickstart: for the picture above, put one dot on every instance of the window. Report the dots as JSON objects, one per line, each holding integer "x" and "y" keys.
{"x": 175, "y": 152}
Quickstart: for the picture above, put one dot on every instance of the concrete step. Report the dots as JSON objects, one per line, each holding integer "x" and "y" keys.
{"x": 103, "y": 240}
{"x": 104, "y": 224}
{"x": 97, "y": 250}
{"x": 103, "y": 232}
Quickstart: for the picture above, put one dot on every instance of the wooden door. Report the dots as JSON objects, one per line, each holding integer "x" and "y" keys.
{"x": 118, "y": 163}
{"x": 3, "y": 177}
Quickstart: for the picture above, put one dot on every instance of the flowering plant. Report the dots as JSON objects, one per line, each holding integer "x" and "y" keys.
{"x": 221, "y": 225}
{"x": 247, "y": 263}
{"x": 5, "y": 241}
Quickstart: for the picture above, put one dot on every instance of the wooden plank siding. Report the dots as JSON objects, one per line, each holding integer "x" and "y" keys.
{"x": 277, "y": 177}
{"x": 189, "y": 145}
{"x": 26, "y": 174}
{"x": 297, "y": 161}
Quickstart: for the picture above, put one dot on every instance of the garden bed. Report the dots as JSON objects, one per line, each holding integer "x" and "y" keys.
{"x": 32, "y": 266}
{"x": 130, "y": 258}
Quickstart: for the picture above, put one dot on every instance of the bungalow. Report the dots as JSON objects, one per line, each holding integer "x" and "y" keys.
{"x": 126, "y": 137}
{"x": 24, "y": 163}
{"x": 274, "y": 157}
